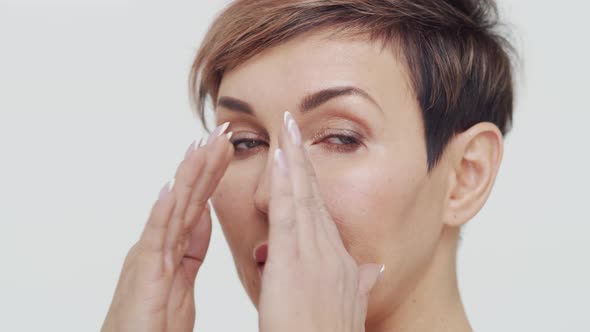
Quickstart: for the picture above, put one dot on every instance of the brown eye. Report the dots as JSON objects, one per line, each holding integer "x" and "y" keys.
{"x": 341, "y": 143}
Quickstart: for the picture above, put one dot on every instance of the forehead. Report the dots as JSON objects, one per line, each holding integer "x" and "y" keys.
{"x": 315, "y": 61}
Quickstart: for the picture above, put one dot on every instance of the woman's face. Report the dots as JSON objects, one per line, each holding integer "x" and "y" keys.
{"x": 369, "y": 156}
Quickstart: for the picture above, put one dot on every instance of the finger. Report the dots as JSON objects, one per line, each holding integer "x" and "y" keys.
{"x": 158, "y": 227}
{"x": 305, "y": 186}
{"x": 154, "y": 232}
{"x": 198, "y": 245}
{"x": 369, "y": 275}
{"x": 197, "y": 182}
{"x": 306, "y": 206}
{"x": 282, "y": 236}
{"x": 217, "y": 163}
{"x": 180, "y": 309}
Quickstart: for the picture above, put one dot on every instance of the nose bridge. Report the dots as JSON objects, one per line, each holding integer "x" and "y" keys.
{"x": 262, "y": 194}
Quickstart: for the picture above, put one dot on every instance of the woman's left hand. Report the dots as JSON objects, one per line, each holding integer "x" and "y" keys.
{"x": 310, "y": 282}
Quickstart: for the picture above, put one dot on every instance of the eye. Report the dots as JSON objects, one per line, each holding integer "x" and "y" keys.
{"x": 347, "y": 143}
{"x": 245, "y": 144}
{"x": 342, "y": 143}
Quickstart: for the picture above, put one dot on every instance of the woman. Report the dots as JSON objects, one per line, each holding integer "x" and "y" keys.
{"x": 343, "y": 213}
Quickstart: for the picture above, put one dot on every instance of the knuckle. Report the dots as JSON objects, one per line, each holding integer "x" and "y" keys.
{"x": 198, "y": 201}
{"x": 196, "y": 207}
{"x": 181, "y": 186}
{"x": 208, "y": 172}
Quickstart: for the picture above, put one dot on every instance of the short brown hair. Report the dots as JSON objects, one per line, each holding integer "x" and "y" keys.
{"x": 459, "y": 65}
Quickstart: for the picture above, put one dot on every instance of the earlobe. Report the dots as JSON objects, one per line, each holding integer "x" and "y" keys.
{"x": 475, "y": 160}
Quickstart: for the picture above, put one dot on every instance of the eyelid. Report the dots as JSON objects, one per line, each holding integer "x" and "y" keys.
{"x": 246, "y": 134}
{"x": 324, "y": 132}
{"x": 320, "y": 134}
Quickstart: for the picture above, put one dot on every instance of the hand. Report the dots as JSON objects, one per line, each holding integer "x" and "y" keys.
{"x": 310, "y": 282}
{"x": 155, "y": 288}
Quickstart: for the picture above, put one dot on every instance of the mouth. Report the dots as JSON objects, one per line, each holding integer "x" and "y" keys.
{"x": 260, "y": 254}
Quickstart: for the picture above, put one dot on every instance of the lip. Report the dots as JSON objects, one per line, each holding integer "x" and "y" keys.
{"x": 260, "y": 254}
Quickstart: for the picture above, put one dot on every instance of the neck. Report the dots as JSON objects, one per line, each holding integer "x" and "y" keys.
{"x": 434, "y": 304}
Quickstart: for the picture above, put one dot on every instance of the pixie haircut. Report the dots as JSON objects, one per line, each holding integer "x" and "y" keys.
{"x": 458, "y": 63}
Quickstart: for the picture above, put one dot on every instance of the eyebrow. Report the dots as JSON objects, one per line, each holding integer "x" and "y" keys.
{"x": 308, "y": 103}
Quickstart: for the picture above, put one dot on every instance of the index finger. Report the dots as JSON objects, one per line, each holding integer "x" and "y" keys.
{"x": 305, "y": 185}
{"x": 197, "y": 185}
{"x": 282, "y": 244}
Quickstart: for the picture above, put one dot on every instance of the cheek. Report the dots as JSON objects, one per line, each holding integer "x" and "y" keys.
{"x": 233, "y": 203}
{"x": 374, "y": 203}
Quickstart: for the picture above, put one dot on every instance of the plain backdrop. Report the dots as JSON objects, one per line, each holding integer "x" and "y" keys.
{"x": 95, "y": 117}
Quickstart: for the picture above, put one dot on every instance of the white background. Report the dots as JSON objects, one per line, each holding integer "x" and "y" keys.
{"x": 94, "y": 118}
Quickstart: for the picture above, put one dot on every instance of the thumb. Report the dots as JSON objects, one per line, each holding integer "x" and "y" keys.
{"x": 198, "y": 244}
{"x": 369, "y": 275}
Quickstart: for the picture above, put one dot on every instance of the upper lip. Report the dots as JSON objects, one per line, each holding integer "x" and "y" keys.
{"x": 260, "y": 253}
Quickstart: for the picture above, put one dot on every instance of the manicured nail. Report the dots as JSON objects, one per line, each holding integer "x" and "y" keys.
{"x": 193, "y": 147}
{"x": 218, "y": 132}
{"x": 228, "y": 135}
{"x": 292, "y": 128}
{"x": 203, "y": 142}
{"x": 166, "y": 189}
{"x": 197, "y": 144}
{"x": 381, "y": 272}
{"x": 286, "y": 116}
{"x": 294, "y": 132}
{"x": 280, "y": 161}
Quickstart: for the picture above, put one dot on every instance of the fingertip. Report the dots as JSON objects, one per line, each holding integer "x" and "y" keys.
{"x": 280, "y": 162}
{"x": 369, "y": 275}
{"x": 166, "y": 189}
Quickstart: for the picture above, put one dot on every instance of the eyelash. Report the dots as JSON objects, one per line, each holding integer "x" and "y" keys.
{"x": 353, "y": 145}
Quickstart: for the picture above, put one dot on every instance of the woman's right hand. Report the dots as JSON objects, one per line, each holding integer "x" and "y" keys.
{"x": 155, "y": 291}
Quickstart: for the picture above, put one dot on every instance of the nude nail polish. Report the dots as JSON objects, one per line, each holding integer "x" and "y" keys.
{"x": 218, "y": 132}
{"x": 197, "y": 144}
{"x": 294, "y": 132}
{"x": 280, "y": 161}
{"x": 193, "y": 147}
{"x": 381, "y": 272}
{"x": 166, "y": 189}
{"x": 292, "y": 128}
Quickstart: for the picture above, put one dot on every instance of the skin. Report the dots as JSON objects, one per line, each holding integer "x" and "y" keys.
{"x": 386, "y": 206}
{"x": 155, "y": 289}
{"x": 310, "y": 281}
{"x": 329, "y": 209}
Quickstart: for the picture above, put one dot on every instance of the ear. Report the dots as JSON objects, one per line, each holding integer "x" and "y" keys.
{"x": 475, "y": 158}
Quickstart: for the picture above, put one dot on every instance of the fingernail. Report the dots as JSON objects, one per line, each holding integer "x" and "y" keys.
{"x": 193, "y": 147}
{"x": 228, "y": 135}
{"x": 166, "y": 189}
{"x": 286, "y": 116}
{"x": 294, "y": 132}
{"x": 218, "y": 132}
{"x": 197, "y": 144}
{"x": 280, "y": 161}
{"x": 203, "y": 142}
{"x": 381, "y": 272}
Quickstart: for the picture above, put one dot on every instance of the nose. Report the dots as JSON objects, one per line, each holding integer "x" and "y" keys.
{"x": 262, "y": 194}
